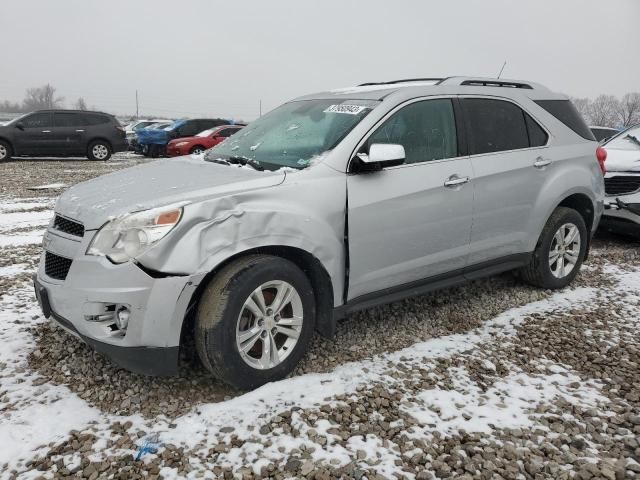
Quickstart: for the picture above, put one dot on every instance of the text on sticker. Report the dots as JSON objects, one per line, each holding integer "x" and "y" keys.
{"x": 349, "y": 109}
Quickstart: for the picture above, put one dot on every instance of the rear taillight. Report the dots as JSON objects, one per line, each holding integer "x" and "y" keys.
{"x": 121, "y": 130}
{"x": 601, "y": 156}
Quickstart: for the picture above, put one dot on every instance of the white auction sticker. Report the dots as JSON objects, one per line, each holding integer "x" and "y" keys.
{"x": 349, "y": 109}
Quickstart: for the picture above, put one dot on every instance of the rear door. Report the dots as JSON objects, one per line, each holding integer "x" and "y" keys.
{"x": 68, "y": 132}
{"x": 510, "y": 161}
{"x": 35, "y": 138}
{"x": 413, "y": 221}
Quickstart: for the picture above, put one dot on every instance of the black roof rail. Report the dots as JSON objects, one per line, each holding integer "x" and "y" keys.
{"x": 406, "y": 80}
{"x": 497, "y": 83}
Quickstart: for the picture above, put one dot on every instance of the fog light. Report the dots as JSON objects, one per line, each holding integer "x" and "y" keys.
{"x": 122, "y": 318}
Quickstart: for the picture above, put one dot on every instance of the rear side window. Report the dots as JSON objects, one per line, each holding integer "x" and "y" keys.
{"x": 567, "y": 113}
{"x": 426, "y": 130}
{"x": 537, "y": 136}
{"x": 95, "y": 119}
{"x": 227, "y": 132}
{"x": 494, "y": 125}
{"x": 67, "y": 119}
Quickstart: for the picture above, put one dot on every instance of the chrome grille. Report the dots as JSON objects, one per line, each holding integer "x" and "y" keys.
{"x": 56, "y": 266}
{"x": 68, "y": 226}
{"x": 621, "y": 184}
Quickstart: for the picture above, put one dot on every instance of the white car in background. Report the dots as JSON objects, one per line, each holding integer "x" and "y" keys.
{"x": 622, "y": 182}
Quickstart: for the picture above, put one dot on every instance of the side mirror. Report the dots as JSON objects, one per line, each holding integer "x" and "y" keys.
{"x": 380, "y": 155}
{"x": 20, "y": 126}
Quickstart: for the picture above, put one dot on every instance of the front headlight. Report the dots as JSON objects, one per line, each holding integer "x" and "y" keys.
{"x": 180, "y": 144}
{"x": 129, "y": 236}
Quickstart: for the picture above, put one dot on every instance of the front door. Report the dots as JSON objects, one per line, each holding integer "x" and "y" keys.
{"x": 35, "y": 136}
{"x": 413, "y": 221}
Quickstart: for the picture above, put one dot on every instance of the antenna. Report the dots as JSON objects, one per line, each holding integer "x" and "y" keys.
{"x": 502, "y": 69}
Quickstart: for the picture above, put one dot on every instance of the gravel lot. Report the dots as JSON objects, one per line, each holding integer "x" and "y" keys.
{"x": 492, "y": 380}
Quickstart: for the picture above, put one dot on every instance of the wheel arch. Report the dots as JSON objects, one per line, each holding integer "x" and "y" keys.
{"x": 8, "y": 142}
{"x": 582, "y": 203}
{"x": 309, "y": 264}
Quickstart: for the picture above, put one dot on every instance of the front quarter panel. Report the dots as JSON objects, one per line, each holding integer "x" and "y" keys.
{"x": 306, "y": 212}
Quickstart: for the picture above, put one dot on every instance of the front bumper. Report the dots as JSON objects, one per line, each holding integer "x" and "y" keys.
{"x": 173, "y": 151}
{"x": 86, "y": 301}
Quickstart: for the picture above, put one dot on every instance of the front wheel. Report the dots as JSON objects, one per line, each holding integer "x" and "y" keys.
{"x": 255, "y": 321}
{"x": 5, "y": 151}
{"x": 99, "y": 150}
{"x": 560, "y": 250}
{"x": 197, "y": 150}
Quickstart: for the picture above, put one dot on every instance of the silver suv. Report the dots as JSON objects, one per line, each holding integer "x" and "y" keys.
{"x": 331, "y": 203}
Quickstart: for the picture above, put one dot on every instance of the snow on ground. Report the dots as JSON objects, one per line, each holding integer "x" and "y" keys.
{"x": 34, "y": 413}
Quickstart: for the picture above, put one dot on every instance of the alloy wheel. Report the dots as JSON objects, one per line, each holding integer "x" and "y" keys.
{"x": 269, "y": 325}
{"x": 3, "y": 152}
{"x": 100, "y": 151}
{"x": 565, "y": 250}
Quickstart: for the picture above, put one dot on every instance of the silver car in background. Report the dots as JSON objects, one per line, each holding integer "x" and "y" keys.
{"x": 331, "y": 203}
{"x": 622, "y": 183}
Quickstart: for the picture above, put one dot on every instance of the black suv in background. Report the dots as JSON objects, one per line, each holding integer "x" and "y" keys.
{"x": 52, "y": 133}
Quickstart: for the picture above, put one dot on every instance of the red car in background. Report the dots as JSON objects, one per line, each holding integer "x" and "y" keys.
{"x": 202, "y": 141}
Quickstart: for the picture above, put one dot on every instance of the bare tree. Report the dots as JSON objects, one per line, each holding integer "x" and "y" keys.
{"x": 629, "y": 109}
{"x": 81, "y": 104}
{"x": 583, "y": 106}
{"x": 603, "y": 111}
{"x": 41, "y": 97}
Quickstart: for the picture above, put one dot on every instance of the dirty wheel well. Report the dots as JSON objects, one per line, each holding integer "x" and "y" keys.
{"x": 317, "y": 275}
{"x": 583, "y": 205}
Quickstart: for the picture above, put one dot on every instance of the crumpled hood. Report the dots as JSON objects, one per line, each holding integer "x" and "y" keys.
{"x": 622, "y": 160}
{"x": 163, "y": 182}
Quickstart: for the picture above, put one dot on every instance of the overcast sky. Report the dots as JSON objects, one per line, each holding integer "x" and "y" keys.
{"x": 205, "y": 57}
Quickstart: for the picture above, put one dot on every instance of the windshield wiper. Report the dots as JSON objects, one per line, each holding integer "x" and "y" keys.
{"x": 633, "y": 139}
{"x": 237, "y": 160}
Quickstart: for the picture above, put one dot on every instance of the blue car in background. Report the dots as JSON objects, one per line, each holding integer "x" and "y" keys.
{"x": 153, "y": 142}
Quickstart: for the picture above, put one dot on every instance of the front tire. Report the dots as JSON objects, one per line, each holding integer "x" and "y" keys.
{"x": 560, "y": 250}
{"x": 197, "y": 150}
{"x": 5, "y": 151}
{"x": 99, "y": 150}
{"x": 255, "y": 321}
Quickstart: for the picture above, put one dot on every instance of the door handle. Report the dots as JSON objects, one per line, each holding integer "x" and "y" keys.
{"x": 46, "y": 131}
{"x": 80, "y": 131}
{"x": 455, "y": 181}
{"x": 541, "y": 162}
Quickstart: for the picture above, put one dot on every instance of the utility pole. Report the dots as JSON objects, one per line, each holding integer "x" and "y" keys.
{"x": 502, "y": 69}
{"x": 137, "y": 110}
{"x": 260, "y": 107}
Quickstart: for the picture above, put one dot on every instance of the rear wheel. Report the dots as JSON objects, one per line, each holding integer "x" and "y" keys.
{"x": 560, "y": 250}
{"x": 5, "y": 151}
{"x": 197, "y": 150}
{"x": 255, "y": 320}
{"x": 99, "y": 150}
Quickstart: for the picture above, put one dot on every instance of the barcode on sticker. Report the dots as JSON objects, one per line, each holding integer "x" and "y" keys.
{"x": 350, "y": 109}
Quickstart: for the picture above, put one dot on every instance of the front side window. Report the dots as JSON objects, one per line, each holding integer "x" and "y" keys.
{"x": 37, "y": 120}
{"x": 227, "y": 132}
{"x": 426, "y": 130}
{"x": 494, "y": 125}
{"x": 294, "y": 133}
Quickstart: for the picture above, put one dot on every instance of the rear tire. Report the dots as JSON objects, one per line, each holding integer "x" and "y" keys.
{"x": 5, "y": 151}
{"x": 99, "y": 150}
{"x": 243, "y": 334}
{"x": 560, "y": 250}
{"x": 154, "y": 151}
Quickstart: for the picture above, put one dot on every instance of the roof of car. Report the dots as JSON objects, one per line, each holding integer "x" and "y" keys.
{"x": 62, "y": 110}
{"x": 434, "y": 86}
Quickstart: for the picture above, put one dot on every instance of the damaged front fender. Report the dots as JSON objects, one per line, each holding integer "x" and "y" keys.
{"x": 305, "y": 212}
